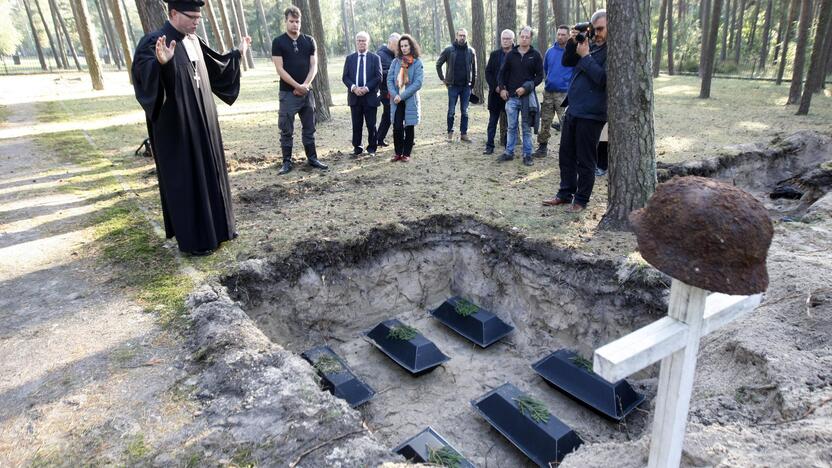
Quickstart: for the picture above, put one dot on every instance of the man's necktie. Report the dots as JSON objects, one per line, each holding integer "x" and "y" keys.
{"x": 360, "y": 70}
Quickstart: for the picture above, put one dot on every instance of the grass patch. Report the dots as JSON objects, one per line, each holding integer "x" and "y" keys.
{"x": 403, "y": 332}
{"x": 465, "y": 308}
{"x": 327, "y": 364}
{"x": 4, "y": 113}
{"x": 444, "y": 456}
{"x": 533, "y": 408}
{"x": 136, "y": 449}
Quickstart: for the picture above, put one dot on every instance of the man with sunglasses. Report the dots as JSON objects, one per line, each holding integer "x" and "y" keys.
{"x": 296, "y": 61}
{"x": 175, "y": 77}
{"x": 585, "y": 117}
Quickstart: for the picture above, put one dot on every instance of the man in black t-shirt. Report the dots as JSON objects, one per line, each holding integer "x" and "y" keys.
{"x": 296, "y": 62}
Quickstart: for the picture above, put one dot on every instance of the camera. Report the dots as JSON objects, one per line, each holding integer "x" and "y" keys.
{"x": 585, "y": 31}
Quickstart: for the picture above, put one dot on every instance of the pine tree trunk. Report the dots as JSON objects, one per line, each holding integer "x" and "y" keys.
{"x": 754, "y": 17}
{"x": 657, "y": 52}
{"x": 109, "y": 33}
{"x": 781, "y": 69}
{"x": 244, "y": 30}
{"x": 52, "y": 46}
{"x": 542, "y": 27}
{"x": 632, "y": 177}
{"x": 346, "y": 27}
{"x": 121, "y": 30}
{"x": 226, "y": 24}
{"x": 710, "y": 54}
{"x": 705, "y": 21}
{"x": 320, "y": 38}
{"x": 670, "y": 65}
{"x": 738, "y": 33}
{"x": 800, "y": 52}
{"x": 82, "y": 23}
{"x": 35, "y": 37}
{"x": 152, "y": 14}
{"x": 437, "y": 25}
{"x": 238, "y": 33}
{"x": 264, "y": 26}
{"x": 449, "y": 17}
{"x": 352, "y": 17}
{"x": 405, "y": 19}
{"x": 724, "y": 48}
{"x": 817, "y": 67}
{"x": 784, "y": 12}
{"x": 557, "y": 10}
{"x": 129, "y": 22}
{"x": 57, "y": 12}
{"x": 479, "y": 43}
{"x": 733, "y": 27}
{"x": 320, "y": 87}
{"x": 765, "y": 38}
{"x": 506, "y": 16}
{"x": 529, "y": 5}
{"x": 208, "y": 9}
{"x": 56, "y": 26}
{"x": 108, "y": 56}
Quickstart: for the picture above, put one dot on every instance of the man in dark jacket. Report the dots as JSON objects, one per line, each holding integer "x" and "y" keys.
{"x": 558, "y": 78}
{"x": 585, "y": 116}
{"x": 459, "y": 79}
{"x": 496, "y": 104}
{"x": 386, "y": 53}
{"x": 521, "y": 73}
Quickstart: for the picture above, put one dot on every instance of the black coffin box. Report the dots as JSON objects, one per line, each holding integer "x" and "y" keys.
{"x": 563, "y": 371}
{"x": 543, "y": 442}
{"x": 342, "y": 383}
{"x": 482, "y": 327}
{"x": 417, "y": 449}
{"x": 418, "y": 355}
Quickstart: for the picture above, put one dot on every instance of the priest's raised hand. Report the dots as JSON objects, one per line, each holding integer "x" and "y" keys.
{"x": 176, "y": 76}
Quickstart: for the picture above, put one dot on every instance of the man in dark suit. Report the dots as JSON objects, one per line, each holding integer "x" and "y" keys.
{"x": 496, "y": 104}
{"x": 362, "y": 76}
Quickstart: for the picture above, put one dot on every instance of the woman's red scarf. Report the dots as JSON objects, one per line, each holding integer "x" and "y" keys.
{"x": 402, "y": 80}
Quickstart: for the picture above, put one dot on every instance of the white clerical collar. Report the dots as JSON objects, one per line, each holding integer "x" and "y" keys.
{"x": 191, "y": 43}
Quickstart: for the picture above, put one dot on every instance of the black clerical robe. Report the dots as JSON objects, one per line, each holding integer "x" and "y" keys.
{"x": 185, "y": 136}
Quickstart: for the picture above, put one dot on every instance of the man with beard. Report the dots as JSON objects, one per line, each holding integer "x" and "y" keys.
{"x": 459, "y": 79}
{"x": 175, "y": 78}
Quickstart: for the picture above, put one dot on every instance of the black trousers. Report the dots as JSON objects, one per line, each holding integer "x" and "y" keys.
{"x": 603, "y": 155}
{"x": 496, "y": 117}
{"x": 577, "y": 158}
{"x": 384, "y": 125}
{"x": 304, "y": 107}
{"x": 362, "y": 113}
{"x": 403, "y": 135}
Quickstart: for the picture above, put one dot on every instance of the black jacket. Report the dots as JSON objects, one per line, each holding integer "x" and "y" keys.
{"x": 492, "y": 69}
{"x": 449, "y": 55}
{"x": 386, "y": 55}
{"x": 587, "y": 95}
{"x": 520, "y": 69}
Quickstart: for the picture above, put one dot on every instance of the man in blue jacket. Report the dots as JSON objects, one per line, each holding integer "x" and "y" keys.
{"x": 585, "y": 117}
{"x": 558, "y": 77}
{"x": 362, "y": 77}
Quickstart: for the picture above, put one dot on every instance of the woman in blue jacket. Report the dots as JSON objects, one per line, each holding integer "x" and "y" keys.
{"x": 404, "y": 80}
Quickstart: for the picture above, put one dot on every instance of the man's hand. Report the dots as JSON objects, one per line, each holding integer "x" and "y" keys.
{"x": 583, "y": 48}
{"x": 520, "y": 91}
{"x": 504, "y": 95}
{"x": 244, "y": 45}
{"x": 164, "y": 53}
{"x": 301, "y": 90}
{"x": 397, "y": 99}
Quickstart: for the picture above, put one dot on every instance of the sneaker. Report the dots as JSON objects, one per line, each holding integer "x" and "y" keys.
{"x": 600, "y": 172}
{"x": 505, "y": 157}
{"x": 464, "y": 137}
{"x": 405, "y": 159}
{"x": 396, "y": 158}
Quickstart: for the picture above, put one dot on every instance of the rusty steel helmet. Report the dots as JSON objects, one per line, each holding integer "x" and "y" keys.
{"x": 707, "y": 234}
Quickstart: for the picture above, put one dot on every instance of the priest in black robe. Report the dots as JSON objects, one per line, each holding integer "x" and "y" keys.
{"x": 175, "y": 74}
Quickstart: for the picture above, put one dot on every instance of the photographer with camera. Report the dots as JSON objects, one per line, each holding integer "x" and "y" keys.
{"x": 586, "y": 113}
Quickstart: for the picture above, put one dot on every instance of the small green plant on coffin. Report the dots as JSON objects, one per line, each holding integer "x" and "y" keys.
{"x": 582, "y": 362}
{"x": 327, "y": 364}
{"x": 444, "y": 456}
{"x": 465, "y": 308}
{"x": 533, "y": 408}
{"x": 403, "y": 332}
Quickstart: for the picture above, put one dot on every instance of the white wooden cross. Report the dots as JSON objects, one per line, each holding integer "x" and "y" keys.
{"x": 692, "y": 314}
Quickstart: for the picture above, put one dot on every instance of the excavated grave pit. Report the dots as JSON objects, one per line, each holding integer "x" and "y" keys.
{"x": 331, "y": 293}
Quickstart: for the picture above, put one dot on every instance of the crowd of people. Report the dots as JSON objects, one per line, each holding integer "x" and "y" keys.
{"x": 175, "y": 88}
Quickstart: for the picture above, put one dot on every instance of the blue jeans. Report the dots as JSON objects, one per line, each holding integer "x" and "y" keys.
{"x": 463, "y": 93}
{"x": 513, "y": 106}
